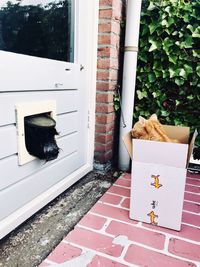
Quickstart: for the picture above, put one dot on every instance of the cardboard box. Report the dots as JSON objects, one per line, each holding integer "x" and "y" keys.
{"x": 158, "y": 178}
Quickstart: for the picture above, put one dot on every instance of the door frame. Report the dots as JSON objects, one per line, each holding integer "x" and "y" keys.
{"x": 85, "y": 54}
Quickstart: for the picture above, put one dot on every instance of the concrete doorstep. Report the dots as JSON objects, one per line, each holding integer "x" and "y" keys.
{"x": 31, "y": 243}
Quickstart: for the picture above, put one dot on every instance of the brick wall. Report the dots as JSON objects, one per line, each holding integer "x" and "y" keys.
{"x": 110, "y": 17}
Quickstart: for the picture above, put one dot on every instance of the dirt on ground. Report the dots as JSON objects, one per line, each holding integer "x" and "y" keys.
{"x": 31, "y": 242}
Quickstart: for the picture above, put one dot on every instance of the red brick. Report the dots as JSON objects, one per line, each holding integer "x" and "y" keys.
{"x": 126, "y": 203}
{"x": 192, "y": 188}
{"x": 101, "y": 128}
{"x": 137, "y": 234}
{"x": 102, "y": 119}
{"x": 107, "y": 63}
{"x": 103, "y": 75}
{"x": 117, "y": 10}
{"x": 146, "y": 257}
{"x": 113, "y": 75}
{"x": 106, "y": 85}
{"x": 103, "y": 157}
{"x": 94, "y": 241}
{"x": 188, "y": 232}
{"x": 193, "y": 181}
{"x": 99, "y": 261}
{"x": 110, "y": 199}
{"x": 107, "y": 51}
{"x": 190, "y": 218}
{"x": 105, "y": 39}
{"x": 103, "y": 138}
{"x": 119, "y": 191}
{"x": 105, "y": 13}
{"x": 112, "y": 212}
{"x": 126, "y": 176}
{"x": 100, "y": 108}
{"x": 103, "y": 147}
{"x": 64, "y": 252}
{"x": 116, "y": 28}
{"x": 193, "y": 175}
{"x": 104, "y": 27}
{"x": 184, "y": 249}
{"x": 92, "y": 221}
{"x": 192, "y": 197}
{"x": 114, "y": 40}
{"x": 103, "y": 63}
{"x": 193, "y": 207}
{"x": 104, "y": 98}
{"x": 105, "y": 2}
{"x": 123, "y": 182}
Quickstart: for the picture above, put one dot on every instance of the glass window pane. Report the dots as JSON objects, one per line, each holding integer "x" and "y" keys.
{"x": 42, "y": 28}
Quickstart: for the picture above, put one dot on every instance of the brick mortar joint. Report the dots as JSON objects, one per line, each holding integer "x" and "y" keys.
{"x": 107, "y": 143}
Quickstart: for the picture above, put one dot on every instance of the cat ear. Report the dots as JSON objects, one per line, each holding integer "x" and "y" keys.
{"x": 142, "y": 120}
{"x": 154, "y": 117}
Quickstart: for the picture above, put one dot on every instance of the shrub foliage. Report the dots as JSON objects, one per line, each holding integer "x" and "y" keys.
{"x": 168, "y": 70}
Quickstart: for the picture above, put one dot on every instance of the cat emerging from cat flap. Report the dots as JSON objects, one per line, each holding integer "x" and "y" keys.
{"x": 150, "y": 129}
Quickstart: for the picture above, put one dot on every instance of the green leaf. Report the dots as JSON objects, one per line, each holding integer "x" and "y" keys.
{"x": 151, "y": 77}
{"x": 167, "y": 43}
{"x": 153, "y": 26}
{"x": 196, "y": 33}
{"x": 154, "y": 45}
{"x": 164, "y": 113}
{"x": 196, "y": 53}
{"x": 151, "y": 7}
{"x": 173, "y": 72}
{"x": 190, "y": 97}
{"x": 141, "y": 95}
{"x": 173, "y": 58}
{"x": 188, "y": 69}
{"x": 198, "y": 70}
{"x": 179, "y": 81}
{"x": 182, "y": 73}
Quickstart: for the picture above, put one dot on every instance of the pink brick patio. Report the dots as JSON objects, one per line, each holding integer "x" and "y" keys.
{"x": 106, "y": 237}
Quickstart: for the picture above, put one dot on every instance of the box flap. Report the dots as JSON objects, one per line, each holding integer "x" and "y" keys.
{"x": 178, "y": 132}
{"x": 127, "y": 139}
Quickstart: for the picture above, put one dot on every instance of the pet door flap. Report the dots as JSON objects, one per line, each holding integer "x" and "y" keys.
{"x": 40, "y": 134}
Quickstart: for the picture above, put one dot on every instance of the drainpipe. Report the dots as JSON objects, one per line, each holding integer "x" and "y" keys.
{"x": 129, "y": 76}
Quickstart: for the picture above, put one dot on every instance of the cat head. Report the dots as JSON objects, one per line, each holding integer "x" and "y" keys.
{"x": 144, "y": 127}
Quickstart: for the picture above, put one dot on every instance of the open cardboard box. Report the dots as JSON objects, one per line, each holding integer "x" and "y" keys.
{"x": 158, "y": 177}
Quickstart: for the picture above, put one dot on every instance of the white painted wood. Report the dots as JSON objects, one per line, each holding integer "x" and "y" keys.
{"x": 23, "y": 213}
{"x": 28, "y": 73}
{"x": 86, "y": 55}
{"x": 27, "y": 189}
{"x": 66, "y": 124}
{"x": 8, "y": 141}
{"x": 66, "y": 171}
{"x": 66, "y": 101}
{"x": 68, "y": 145}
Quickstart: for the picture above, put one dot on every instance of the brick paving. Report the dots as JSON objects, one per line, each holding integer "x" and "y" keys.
{"x": 106, "y": 237}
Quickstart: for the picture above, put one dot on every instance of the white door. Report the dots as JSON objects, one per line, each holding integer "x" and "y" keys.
{"x": 44, "y": 51}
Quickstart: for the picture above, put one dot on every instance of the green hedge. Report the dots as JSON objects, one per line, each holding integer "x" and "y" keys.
{"x": 168, "y": 70}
